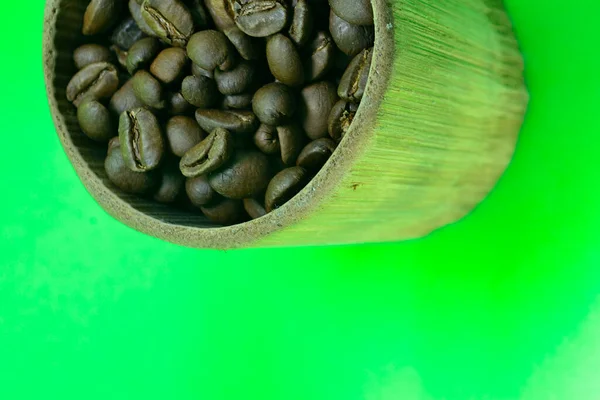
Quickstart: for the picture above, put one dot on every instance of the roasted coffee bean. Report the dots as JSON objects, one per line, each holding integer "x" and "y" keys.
{"x": 208, "y": 155}
{"x": 211, "y": 49}
{"x": 315, "y": 154}
{"x": 141, "y": 139}
{"x": 135, "y": 9}
{"x": 247, "y": 174}
{"x": 183, "y": 133}
{"x": 284, "y": 186}
{"x": 170, "y": 20}
{"x": 126, "y": 34}
{"x": 199, "y": 14}
{"x": 200, "y": 91}
{"x": 121, "y": 56}
{"x": 237, "y": 80}
{"x": 244, "y": 44}
{"x": 354, "y": 81}
{"x": 199, "y": 191}
{"x": 266, "y": 139}
{"x": 341, "y": 118}
{"x": 199, "y": 71}
{"x": 351, "y": 39}
{"x": 238, "y": 101}
{"x": 274, "y": 104}
{"x": 220, "y": 11}
{"x": 284, "y": 60}
{"x": 235, "y": 121}
{"x": 302, "y": 23}
{"x": 358, "y": 12}
{"x": 95, "y": 121}
{"x": 316, "y": 102}
{"x": 170, "y": 65}
{"x": 261, "y": 76}
{"x": 225, "y": 212}
{"x": 254, "y": 208}
{"x": 260, "y": 18}
{"x": 124, "y": 99}
{"x": 171, "y": 183}
{"x": 94, "y": 82}
{"x": 177, "y": 104}
{"x": 100, "y": 15}
{"x": 291, "y": 139}
{"x": 90, "y": 54}
{"x": 124, "y": 178}
{"x": 321, "y": 57}
{"x": 148, "y": 89}
{"x": 141, "y": 54}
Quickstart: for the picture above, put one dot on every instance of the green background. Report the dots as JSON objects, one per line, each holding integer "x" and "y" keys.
{"x": 503, "y": 305}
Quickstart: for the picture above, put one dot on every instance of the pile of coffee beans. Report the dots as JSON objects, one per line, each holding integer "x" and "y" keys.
{"x": 225, "y": 107}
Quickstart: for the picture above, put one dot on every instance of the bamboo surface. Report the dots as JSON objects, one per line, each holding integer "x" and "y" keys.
{"x": 436, "y": 130}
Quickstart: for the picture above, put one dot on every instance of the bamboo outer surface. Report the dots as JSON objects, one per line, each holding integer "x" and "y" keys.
{"x": 437, "y": 128}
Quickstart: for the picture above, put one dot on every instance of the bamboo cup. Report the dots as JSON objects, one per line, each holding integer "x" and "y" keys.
{"x": 437, "y": 128}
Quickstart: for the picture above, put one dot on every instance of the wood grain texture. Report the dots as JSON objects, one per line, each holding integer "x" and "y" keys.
{"x": 437, "y": 128}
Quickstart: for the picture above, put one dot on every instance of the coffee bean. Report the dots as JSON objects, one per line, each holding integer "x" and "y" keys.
{"x": 126, "y": 34}
{"x": 170, "y": 20}
{"x": 341, "y": 118}
{"x": 100, "y": 15}
{"x": 284, "y": 186}
{"x": 135, "y": 9}
{"x": 148, "y": 89}
{"x": 183, "y": 133}
{"x": 254, "y": 208}
{"x": 199, "y": 191}
{"x": 225, "y": 212}
{"x": 124, "y": 99}
{"x": 200, "y": 91}
{"x": 170, "y": 65}
{"x": 220, "y": 11}
{"x": 291, "y": 139}
{"x": 354, "y": 81}
{"x": 208, "y": 155}
{"x": 199, "y": 14}
{"x": 237, "y": 80}
{"x": 171, "y": 183}
{"x": 141, "y": 140}
{"x": 315, "y": 154}
{"x": 95, "y": 121}
{"x": 358, "y": 12}
{"x": 351, "y": 39}
{"x": 177, "y": 104}
{"x": 265, "y": 142}
{"x": 94, "y": 82}
{"x": 235, "y": 121}
{"x": 121, "y": 56}
{"x": 274, "y": 104}
{"x": 90, "y": 54}
{"x": 302, "y": 23}
{"x": 284, "y": 60}
{"x": 316, "y": 102}
{"x": 238, "y": 101}
{"x": 260, "y": 18}
{"x": 199, "y": 71}
{"x": 142, "y": 53}
{"x": 124, "y": 178}
{"x": 211, "y": 49}
{"x": 321, "y": 59}
{"x": 246, "y": 175}
{"x": 244, "y": 44}
{"x": 266, "y": 139}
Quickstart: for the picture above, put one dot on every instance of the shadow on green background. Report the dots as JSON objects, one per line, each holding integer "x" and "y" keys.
{"x": 498, "y": 306}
